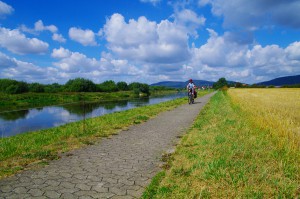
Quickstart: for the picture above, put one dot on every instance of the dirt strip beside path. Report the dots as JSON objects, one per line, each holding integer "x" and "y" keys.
{"x": 119, "y": 167}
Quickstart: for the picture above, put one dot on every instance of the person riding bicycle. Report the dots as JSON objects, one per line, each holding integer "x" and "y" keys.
{"x": 191, "y": 87}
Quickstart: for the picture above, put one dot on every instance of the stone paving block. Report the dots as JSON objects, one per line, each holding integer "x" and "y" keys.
{"x": 52, "y": 194}
{"x": 135, "y": 193}
{"x": 118, "y": 191}
{"x": 83, "y": 187}
{"x": 35, "y": 192}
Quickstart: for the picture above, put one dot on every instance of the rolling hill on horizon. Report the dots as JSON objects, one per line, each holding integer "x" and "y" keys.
{"x": 178, "y": 84}
{"x": 280, "y": 81}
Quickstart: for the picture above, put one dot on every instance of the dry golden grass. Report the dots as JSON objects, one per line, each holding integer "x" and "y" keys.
{"x": 274, "y": 109}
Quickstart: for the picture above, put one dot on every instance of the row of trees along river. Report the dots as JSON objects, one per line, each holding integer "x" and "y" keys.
{"x": 10, "y": 86}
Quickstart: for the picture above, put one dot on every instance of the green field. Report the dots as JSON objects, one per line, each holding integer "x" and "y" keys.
{"x": 226, "y": 154}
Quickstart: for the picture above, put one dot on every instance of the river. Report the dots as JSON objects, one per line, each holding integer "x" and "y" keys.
{"x": 26, "y": 120}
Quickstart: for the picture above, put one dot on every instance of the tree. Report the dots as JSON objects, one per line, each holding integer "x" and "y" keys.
{"x": 122, "y": 86}
{"x": 80, "y": 85}
{"x": 139, "y": 88}
{"x": 12, "y": 86}
{"x": 108, "y": 86}
{"x": 36, "y": 88}
{"x": 220, "y": 83}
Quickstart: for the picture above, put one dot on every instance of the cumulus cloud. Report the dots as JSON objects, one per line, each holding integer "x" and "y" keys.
{"x": 58, "y": 37}
{"x": 107, "y": 67}
{"x": 60, "y": 53}
{"x": 39, "y": 26}
{"x": 146, "y": 41}
{"x": 222, "y": 56}
{"x": 5, "y": 9}
{"x": 256, "y": 13}
{"x": 190, "y": 20}
{"x": 25, "y": 71}
{"x": 17, "y": 42}
{"x": 293, "y": 51}
{"x": 6, "y": 62}
{"x": 85, "y": 37}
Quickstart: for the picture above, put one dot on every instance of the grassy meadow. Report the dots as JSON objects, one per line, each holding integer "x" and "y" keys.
{"x": 36, "y": 148}
{"x": 242, "y": 145}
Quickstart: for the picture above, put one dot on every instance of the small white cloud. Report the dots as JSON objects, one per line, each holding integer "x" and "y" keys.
{"x": 16, "y": 42}
{"x": 39, "y": 26}
{"x": 60, "y": 53}
{"x": 85, "y": 37}
{"x": 58, "y": 37}
{"x": 5, "y": 9}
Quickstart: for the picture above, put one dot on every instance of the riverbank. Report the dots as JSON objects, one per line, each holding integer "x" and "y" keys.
{"x": 37, "y": 148}
{"x": 229, "y": 154}
{"x": 10, "y": 102}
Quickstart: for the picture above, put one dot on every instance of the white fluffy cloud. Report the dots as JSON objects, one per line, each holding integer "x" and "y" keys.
{"x": 5, "y": 9}
{"x": 26, "y": 71}
{"x": 85, "y": 37}
{"x": 58, "y": 37}
{"x": 17, "y": 42}
{"x": 39, "y": 26}
{"x": 222, "y": 56}
{"x": 256, "y": 13}
{"x": 189, "y": 20}
{"x": 293, "y": 51}
{"x": 146, "y": 41}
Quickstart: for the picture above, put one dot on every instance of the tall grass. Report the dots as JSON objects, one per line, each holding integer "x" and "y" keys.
{"x": 225, "y": 156}
{"x": 276, "y": 110}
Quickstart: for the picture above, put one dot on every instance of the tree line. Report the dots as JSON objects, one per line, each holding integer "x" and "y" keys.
{"x": 11, "y": 86}
{"x": 222, "y": 82}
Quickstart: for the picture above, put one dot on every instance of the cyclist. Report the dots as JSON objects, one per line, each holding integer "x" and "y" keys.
{"x": 191, "y": 87}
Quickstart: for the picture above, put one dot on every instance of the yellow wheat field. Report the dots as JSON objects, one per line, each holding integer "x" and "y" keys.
{"x": 276, "y": 109}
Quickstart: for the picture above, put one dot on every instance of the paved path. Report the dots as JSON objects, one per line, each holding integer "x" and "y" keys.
{"x": 120, "y": 167}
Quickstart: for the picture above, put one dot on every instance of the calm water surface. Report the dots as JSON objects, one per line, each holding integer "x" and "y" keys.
{"x": 16, "y": 122}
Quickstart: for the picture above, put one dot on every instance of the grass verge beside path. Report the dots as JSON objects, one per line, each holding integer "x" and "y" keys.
{"x": 18, "y": 152}
{"x": 225, "y": 156}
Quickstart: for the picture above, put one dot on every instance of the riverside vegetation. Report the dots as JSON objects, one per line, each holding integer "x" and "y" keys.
{"x": 37, "y": 148}
{"x": 17, "y": 94}
{"x": 244, "y": 144}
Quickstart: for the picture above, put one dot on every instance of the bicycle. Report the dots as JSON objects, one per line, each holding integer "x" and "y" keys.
{"x": 190, "y": 96}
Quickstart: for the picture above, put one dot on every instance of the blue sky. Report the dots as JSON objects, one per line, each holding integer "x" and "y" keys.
{"x": 149, "y": 40}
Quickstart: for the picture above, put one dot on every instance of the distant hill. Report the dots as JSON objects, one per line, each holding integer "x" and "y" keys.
{"x": 175, "y": 84}
{"x": 289, "y": 80}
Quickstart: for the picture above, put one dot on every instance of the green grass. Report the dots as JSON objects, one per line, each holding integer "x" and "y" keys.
{"x": 225, "y": 156}
{"x": 19, "y": 151}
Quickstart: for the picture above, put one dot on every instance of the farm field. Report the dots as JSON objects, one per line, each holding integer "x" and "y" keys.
{"x": 244, "y": 144}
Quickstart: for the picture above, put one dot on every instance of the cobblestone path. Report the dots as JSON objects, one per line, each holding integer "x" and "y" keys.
{"x": 119, "y": 167}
